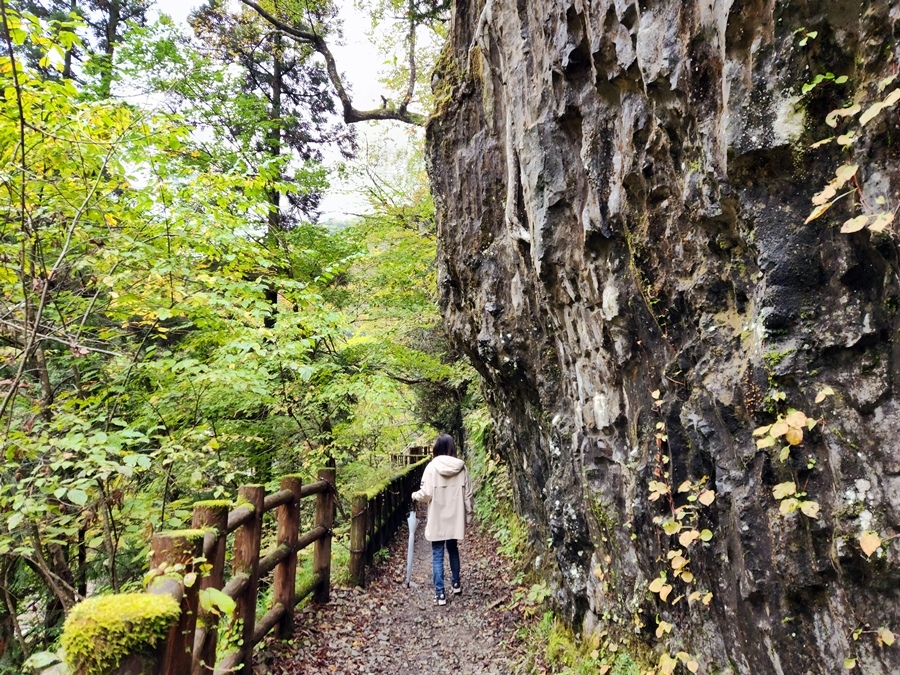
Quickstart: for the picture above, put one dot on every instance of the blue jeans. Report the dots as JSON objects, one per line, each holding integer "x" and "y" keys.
{"x": 437, "y": 563}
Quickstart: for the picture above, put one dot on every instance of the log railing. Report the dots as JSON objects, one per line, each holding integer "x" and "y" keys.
{"x": 375, "y": 516}
{"x": 188, "y": 565}
{"x": 187, "y": 562}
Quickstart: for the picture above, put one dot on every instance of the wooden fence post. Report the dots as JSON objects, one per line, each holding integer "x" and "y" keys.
{"x": 183, "y": 547}
{"x": 286, "y": 572}
{"x": 358, "y": 519}
{"x": 246, "y": 561}
{"x": 325, "y": 505}
{"x": 213, "y": 517}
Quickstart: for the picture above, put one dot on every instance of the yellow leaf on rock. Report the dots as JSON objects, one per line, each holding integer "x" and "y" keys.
{"x": 849, "y": 664}
{"x": 817, "y": 212}
{"x": 795, "y": 419}
{"x": 887, "y": 637}
{"x": 779, "y": 429}
{"x": 794, "y": 436}
{"x": 882, "y": 220}
{"x": 656, "y": 585}
{"x": 845, "y": 173}
{"x": 766, "y": 442}
{"x": 825, "y": 391}
{"x": 788, "y": 506}
{"x": 762, "y": 431}
{"x": 783, "y": 490}
{"x": 854, "y": 224}
{"x": 869, "y": 541}
{"x": 687, "y": 538}
{"x": 828, "y": 193}
{"x": 810, "y": 509}
{"x": 692, "y": 666}
{"x": 664, "y": 592}
{"x": 706, "y": 497}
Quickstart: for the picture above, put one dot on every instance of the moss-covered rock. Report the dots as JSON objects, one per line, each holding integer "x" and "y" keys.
{"x": 101, "y": 631}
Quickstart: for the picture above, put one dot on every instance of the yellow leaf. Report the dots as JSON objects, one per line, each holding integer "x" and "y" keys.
{"x": 794, "y": 436}
{"x": 854, "y": 224}
{"x": 656, "y": 585}
{"x": 826, "y": 195}
{"x": 849, "y": 664}
{"x": 784, "y": 453}
{"x": 824, "y": 141}
{"x": 788, "y": 506}
{"x": 871, "y": 113}
{"x": 678, "y": 562}
{"x": 779, "y": 429}
{"x": 664, "y": 592}
{"x": 687, "y": 577}
{"x": 692, "y": 666}
{"x": 706, "y": 497}
{"x": 783, "y": 490}
{"x": 706, "y": 535}
{"x": 110, "y": 220}
{"x": 655, "y": 393}
{"x": 706, "y": 599}
{"x": 795, "y": 419}
{"x": 887, "y": 637}
{"x": 869, "y": 541}
{"x": 671, "y": 527}
{"x": 810, "y": 509}
{"x": 693, "y": 597}
{"x": 663, "y": 629}
{"x": 825, "y": 391}
{"x": 685, "y": 486}
{"x": 766, "y": 442}
{"x": 688, "y": 538}
{"x": 882, "y": 220}
{"x": 831, "y": 118}
{"x": 846, "y": 139}
{"x": 762, "y": 431}
{"x": 845, "y": 173}
{"x": 817, "y": 212}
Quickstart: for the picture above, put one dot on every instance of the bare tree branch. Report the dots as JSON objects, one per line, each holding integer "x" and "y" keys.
{"x": 351, "y": 114}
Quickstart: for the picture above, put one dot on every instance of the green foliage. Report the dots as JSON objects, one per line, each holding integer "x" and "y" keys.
{"x": 101, "y": 631}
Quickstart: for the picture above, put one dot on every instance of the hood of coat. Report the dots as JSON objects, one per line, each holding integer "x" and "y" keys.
{"x": 448, "y": 466}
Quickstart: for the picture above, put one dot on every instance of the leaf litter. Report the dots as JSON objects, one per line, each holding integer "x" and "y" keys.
{"x": 387, "y": 628}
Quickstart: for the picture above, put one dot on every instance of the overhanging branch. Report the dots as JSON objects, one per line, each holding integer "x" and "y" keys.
{"x": 318, "y": 43}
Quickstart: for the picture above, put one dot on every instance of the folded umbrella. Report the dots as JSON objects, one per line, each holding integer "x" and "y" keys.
{"x": 412, "y": 522}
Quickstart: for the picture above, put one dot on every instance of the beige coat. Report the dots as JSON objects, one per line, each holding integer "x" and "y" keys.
{"x": 447, "y": 491}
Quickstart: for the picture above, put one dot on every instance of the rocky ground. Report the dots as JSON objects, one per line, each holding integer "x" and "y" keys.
{"x": 391, "y": 629}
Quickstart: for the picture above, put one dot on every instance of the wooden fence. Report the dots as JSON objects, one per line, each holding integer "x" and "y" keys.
{"x": 185, "y": 563}
{"x": 192, "y": 649}
{"x": 375, "y": 516}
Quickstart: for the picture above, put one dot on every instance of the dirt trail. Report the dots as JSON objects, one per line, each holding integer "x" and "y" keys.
{"x": 390, "y": 629}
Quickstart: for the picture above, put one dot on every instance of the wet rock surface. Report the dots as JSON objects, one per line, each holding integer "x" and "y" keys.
{"x": 621, "y": 189}
{"x": 389, "y": 629}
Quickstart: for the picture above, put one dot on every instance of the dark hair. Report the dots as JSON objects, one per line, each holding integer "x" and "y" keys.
{"x": 444, "y": 445}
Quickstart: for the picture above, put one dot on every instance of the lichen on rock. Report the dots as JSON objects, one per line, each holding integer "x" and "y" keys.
{"x": 102, "y": 631}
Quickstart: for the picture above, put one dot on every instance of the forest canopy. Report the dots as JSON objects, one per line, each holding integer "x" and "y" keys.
{"x": 174, "y": 319}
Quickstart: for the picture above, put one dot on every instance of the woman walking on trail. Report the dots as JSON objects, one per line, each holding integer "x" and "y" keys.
{"x": 447, "y": 491}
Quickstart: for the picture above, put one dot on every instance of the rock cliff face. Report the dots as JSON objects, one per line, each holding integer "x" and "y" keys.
{"x": 621, "y": 189}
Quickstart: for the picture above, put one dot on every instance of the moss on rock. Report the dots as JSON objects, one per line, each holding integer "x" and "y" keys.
{"x": 101, "y": 631}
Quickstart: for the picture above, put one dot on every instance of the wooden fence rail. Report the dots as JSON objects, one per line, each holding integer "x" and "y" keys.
{"x": 187, "y": 563}
{"x": 375, "y": 516}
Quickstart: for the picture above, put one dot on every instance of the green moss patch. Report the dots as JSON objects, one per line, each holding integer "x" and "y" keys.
{"x": 103, "y": 630}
